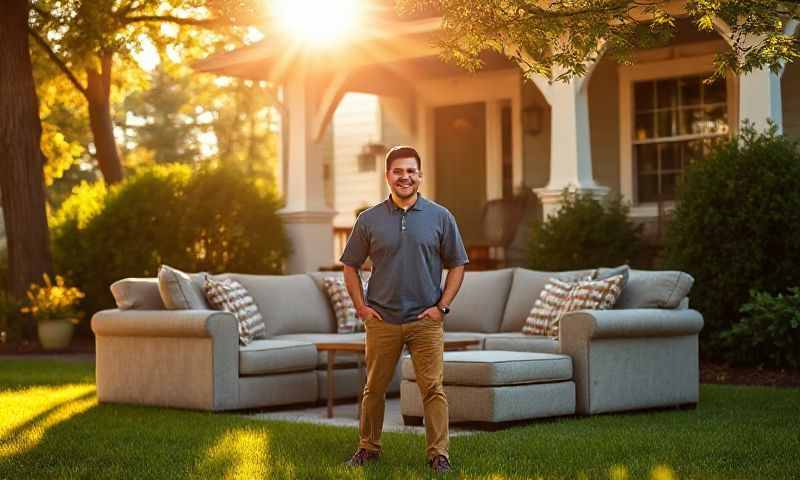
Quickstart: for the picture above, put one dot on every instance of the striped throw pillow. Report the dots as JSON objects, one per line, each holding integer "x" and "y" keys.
{"x": 591, "y": 295}
{"x": 548, "y": 307}
{"x": 559, "y": 298}
{"x": 231, "y": 296}
{"x": 346, "y": 319}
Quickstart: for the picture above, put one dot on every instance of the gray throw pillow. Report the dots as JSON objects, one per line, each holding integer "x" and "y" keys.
{"x": 180, "y": 291}
{"x": 137, "y": 294}
{"x": 606, "y": 273}
{"x": 655, "y": 289}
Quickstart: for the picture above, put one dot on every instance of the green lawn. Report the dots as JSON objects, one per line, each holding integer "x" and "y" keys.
{"x": 51, "y": 426}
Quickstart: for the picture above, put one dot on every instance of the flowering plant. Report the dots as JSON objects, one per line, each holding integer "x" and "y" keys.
{"x": 51, "y": 302}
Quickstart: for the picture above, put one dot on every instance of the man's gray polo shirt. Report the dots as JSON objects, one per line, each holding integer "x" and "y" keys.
{"x": 408, "y": 250}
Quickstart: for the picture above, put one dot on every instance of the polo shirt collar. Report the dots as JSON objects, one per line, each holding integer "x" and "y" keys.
{"x": 419, "y": 205}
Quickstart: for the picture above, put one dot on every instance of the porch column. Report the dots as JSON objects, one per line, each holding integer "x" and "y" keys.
{"x": 494, "y": 150}
{"x": 760, "y": 99}
{"x": 308, "y": 221}
{"x": 759, "y": 90}
{"x": 570, "y": 148}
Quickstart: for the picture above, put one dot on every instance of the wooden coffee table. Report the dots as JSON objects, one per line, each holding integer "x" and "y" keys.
{"x": 360, "y": 348}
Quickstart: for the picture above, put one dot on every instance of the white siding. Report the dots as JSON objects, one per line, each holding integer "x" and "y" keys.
{"x": 355, "y": 123}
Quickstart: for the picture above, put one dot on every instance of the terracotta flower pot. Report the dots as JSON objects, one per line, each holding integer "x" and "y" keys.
{"x": 55, "y": 334}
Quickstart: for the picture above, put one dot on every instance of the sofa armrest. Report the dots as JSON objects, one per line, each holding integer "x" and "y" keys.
{"x": 162, "y": 323}
{"x": 639, "y": 322}
{"x": 633, "y": 358}
{"x": 171, "y": 358}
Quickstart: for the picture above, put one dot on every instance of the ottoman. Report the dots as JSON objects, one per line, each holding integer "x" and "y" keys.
{"x": 496, "y": 386}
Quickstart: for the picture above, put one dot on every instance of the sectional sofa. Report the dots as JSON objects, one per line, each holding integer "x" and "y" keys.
{"x": 641, "y": 354}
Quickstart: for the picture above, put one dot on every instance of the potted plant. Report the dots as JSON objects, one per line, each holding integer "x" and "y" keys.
{"x": 54, "y": 309}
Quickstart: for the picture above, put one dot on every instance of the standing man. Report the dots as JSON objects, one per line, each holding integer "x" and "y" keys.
{"x": 409, "y": 240}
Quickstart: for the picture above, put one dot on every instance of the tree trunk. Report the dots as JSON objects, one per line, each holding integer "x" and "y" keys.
{"x": 98, "y": 95}
{"x": 21, "y": 159}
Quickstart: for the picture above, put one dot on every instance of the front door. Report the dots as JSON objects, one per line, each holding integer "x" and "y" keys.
{"x": 460, "y": 139}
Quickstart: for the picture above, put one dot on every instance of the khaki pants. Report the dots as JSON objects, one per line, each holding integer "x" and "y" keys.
{"x": 425, "y": 341}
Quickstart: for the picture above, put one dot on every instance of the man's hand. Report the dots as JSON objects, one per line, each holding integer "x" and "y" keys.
{"x": 365, "y": 312}
{"x": 432, "y": 312}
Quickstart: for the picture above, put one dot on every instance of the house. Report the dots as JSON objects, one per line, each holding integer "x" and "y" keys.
{"x": 620, "y": 129}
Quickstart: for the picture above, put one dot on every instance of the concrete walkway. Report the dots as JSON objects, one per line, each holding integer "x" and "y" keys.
{"x": 345, "y": 415}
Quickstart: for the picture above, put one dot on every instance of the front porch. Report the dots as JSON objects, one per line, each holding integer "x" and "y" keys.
{"x": 494, "y": 135}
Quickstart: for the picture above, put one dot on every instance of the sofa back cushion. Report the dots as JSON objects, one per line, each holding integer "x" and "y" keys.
{"x": 480, "y": 302}
{"x": 137, "y": 294}
{"x": 654, "y": 289}
{"x": 289, "y": 303}
{"x": 526, "y": 286}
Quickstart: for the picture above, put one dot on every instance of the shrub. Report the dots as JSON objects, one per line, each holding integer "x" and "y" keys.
{"x": 769, "y": 332}
{"x": 212, "y": 220}
{"x": 585, "y": 232}
{"x": 10, "y": 318}
{"x": 737, "y": 226}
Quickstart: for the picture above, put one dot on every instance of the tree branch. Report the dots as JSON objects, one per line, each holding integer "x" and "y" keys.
{"x": 195, "y": 22}
{"x": 57, "y": 60}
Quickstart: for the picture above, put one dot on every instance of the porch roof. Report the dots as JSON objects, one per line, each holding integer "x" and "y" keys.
{"x": 381, "y": 59}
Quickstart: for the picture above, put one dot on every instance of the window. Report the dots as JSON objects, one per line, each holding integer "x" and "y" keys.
{"x": 676, "y": 120}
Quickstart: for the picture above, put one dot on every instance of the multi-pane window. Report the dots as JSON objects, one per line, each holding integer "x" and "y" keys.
{"x": 676, "y": 121}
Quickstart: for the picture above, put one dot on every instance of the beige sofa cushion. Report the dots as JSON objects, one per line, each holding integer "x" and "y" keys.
{"x": 289, "y": 303}
{"x": 261, "y": 357}
{"x": 480, "y": 302}
{"x": 494, "y": 368}
{"x": 181, "y": 291}
{"x": 137, "y": 294}
{"x": 519, "y": 342}
{"x": 654, "y": 289}
{"x": 525, "y": 289}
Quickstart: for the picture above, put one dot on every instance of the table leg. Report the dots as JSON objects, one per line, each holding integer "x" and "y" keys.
{"x": 331, "y": 391}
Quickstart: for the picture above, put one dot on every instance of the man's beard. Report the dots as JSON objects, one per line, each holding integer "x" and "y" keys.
{"x": 399, "y": 193}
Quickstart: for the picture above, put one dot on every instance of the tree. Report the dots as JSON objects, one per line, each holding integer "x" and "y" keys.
{"x": 21, "y": 160}
{"x": 557, "y": 39}
{"x": 88, "y": 40}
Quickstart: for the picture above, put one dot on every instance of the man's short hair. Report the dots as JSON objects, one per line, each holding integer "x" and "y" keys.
{"x": 402, "y": 151}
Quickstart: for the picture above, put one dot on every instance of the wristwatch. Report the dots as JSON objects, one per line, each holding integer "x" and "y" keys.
{"x": 444, "y": 309}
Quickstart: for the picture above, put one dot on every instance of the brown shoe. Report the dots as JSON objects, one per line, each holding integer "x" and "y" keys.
{"x": 361, "y": 457}
{"x": 440, "y": 464}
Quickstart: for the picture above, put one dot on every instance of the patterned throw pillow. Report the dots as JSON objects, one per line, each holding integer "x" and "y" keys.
{"x": 346, "y": 319}
{"x": 231, "y": 296}
{"x": 559, "y": 298}
{"x": 548, "y": 307}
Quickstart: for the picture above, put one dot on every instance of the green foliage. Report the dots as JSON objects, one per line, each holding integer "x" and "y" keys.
{"x": 737, "y": 225}
{"x": 10, "y": 318}
{"x": 769, "y": 332}
{"x": 212, "y": 220}
{"x": 559, "y": 39}
{"x": 584, "y": 233}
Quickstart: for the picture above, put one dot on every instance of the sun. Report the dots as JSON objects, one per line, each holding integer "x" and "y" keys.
{"x": 317, "y": 22}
